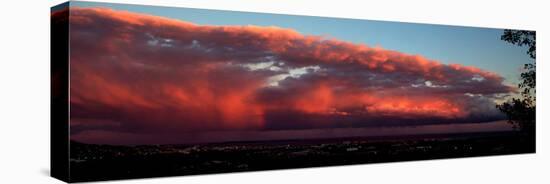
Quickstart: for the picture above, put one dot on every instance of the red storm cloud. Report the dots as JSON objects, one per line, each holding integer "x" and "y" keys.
{"x": 138, "y": 73}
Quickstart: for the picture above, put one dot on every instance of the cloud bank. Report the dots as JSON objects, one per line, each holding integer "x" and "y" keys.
{"x": 138, "y": 73}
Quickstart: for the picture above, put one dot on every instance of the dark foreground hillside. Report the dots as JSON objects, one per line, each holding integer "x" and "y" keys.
{"x": 104, "y": 162}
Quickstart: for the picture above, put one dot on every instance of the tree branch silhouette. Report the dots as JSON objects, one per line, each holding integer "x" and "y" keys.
{"x": 521, "y": 112}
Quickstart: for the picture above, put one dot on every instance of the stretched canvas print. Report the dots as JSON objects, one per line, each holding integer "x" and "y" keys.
{"x": 147, "y": 91}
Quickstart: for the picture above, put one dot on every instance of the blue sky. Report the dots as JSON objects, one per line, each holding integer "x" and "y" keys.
{"x": 471, "y": 46}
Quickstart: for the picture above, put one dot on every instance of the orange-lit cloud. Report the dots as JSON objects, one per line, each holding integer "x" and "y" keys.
{"x": 151, "y": 74}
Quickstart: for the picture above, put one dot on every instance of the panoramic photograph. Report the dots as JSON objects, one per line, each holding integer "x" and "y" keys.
{"x": 166, "y": 91}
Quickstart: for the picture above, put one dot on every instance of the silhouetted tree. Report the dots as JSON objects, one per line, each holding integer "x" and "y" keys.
{"x": 521, "y": 111}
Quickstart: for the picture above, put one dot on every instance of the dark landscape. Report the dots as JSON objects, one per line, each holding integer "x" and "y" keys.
{"x": 101, "y": 162}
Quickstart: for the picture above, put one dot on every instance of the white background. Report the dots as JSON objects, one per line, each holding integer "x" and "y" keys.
{"x": 24, "y": 91}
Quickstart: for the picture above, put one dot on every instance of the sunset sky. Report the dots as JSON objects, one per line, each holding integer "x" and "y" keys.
{"x": 154, "y": 75}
